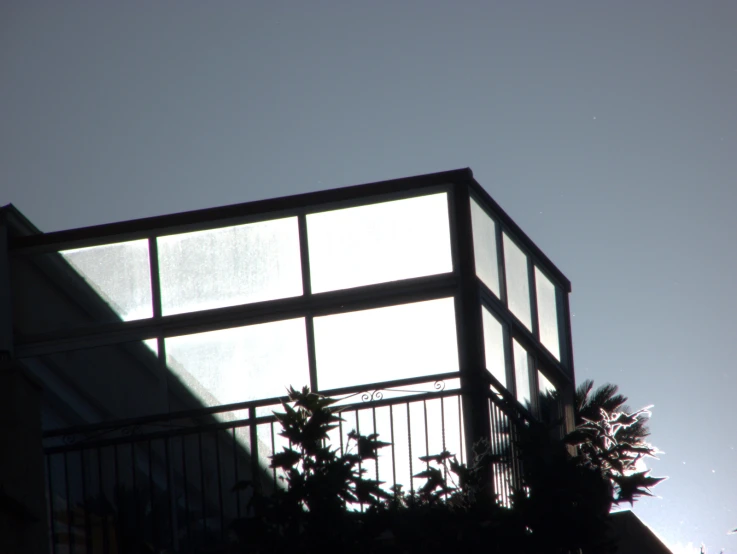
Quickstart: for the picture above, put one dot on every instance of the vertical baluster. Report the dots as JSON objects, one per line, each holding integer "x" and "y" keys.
{"x": 151, "y": 492}
{"x": 409, "y": 442}
{"x": 52, "y": 497}
{"x": 171, "y": 508}
{"x": 70, "y": 515}
{"x": 185, "y": 479}
{"x": 136, "y": 501}
{"x": 117, "y": 500}
{"x": 235, "y": 472}
{"x": 202, "y": 486}
{"x": 85, "y": 504}
{"x": 394, "y": 457}
{"x": 103, "y": 505}
{"x": 220, "y": 486}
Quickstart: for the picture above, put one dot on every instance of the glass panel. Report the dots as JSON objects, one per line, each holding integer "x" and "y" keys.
{"x": 547, "y": 313}
{"x": 81, "y": 287}
{"x": 384, "y": 344}
{"x": 230, "y": 266}
{"x": 549, "y": 412}
{"x": 518, "y": 284}
{"x": 494, "y": 346}
{"x": 245, "y": 363}
{"x": 379, "y": 243}
{"x": 522, "y": 374}
{"x": 484, "y": 247}
{"x": 119, "y": 273}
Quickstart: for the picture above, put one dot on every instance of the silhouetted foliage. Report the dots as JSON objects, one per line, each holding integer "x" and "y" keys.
{"x": 611, "y": 440}
{"x": 328, "y": 505}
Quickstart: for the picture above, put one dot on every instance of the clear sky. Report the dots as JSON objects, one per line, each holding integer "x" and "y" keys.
{"x": 607, "y": 130}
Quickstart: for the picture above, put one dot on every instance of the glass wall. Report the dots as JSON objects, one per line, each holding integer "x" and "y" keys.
{"x": 521, "y": 301}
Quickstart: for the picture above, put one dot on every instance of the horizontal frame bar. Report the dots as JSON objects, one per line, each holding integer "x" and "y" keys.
{"x": 327, "y": 303}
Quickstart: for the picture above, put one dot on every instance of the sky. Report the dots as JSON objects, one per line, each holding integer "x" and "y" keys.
{"x": 607, "y": 130}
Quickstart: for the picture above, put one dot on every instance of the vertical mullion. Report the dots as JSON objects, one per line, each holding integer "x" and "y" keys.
{"x": 153, "y": 263}
{"x": 304, "y": 254}
{"x": 531, "y": 362}
{"x": 501, "y": 264}
{"x": 532, "y": 285}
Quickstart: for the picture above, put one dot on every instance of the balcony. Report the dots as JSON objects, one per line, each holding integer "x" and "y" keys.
{"x": 165, "y": 344}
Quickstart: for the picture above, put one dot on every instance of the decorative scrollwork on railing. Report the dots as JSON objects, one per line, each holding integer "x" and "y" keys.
{"x": 130, "y": 431}
{"x": 370, "y": 396}
{"x": 378, "y": 394}
{"x": 70, "y": 439}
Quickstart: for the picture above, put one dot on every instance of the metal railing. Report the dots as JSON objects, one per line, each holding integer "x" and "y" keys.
{"x": 166, "y": 483}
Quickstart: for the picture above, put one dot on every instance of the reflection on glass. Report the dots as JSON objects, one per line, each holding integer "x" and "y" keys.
{"x": 245, "y": 363}
{"x": 518, "y": 285}
{"x": 494, "y": 346}
{"x": 522, "y": 374}
{"x": 484, "y": 247}
{"x": 379, "y": 243}
{"x": 547, "y": 313}
{"x": 384, "y": 344}
{"x": 119, "y": 273}
{"x": 230, "y": 266}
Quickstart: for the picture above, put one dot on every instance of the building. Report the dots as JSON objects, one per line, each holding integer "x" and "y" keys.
{"x": 158, "y": 348}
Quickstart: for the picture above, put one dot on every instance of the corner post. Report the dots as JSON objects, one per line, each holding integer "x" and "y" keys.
{"x": 6, "y": 320}
{"x": 474, "y": 386}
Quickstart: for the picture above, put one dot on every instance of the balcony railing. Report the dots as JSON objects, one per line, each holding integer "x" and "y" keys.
{"x": 167, "y": 481}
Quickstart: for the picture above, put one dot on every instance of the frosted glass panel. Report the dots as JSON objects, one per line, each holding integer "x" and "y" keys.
{"x": 379, "y": 243}
{"x": 547, "y": 313}
{"x": 119, "y": 273}
{"x": 494, "y": 346}
{"x": 230, "y": 266}
{"x": 522, "y": 374}
{"x": 484, "y": 247}
{"x": 245, "y": 363}
{"x": 383, "y": 344}
{"x": 518, "y": 285}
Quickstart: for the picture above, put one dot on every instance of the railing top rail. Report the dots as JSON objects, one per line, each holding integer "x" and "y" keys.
{"x": 167, "y": 429}
{"x": 274, "y": 401}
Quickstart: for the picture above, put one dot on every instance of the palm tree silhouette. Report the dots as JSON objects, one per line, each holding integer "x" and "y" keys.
{"x": 589, "y": 404}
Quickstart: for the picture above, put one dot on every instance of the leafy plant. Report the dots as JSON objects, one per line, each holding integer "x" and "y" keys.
{"x": 611, "y": 440}
{"x": 323, "y": 487}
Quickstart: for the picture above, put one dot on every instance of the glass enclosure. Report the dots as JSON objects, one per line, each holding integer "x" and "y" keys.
{"x": 359, "y": 291}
